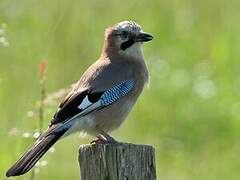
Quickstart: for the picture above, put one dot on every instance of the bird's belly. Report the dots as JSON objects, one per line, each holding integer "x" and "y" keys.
{"x": 106, "y": 119}
{"x": 111, "y": 117}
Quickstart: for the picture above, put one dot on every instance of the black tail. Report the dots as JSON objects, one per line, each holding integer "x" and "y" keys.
{"x": 30, "y": 158}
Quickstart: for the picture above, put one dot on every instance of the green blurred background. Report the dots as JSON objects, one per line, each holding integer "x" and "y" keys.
{"x": 189, "y": 113}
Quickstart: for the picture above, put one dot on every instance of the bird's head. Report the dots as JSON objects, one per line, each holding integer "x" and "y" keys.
{"x": 126, "y": 38}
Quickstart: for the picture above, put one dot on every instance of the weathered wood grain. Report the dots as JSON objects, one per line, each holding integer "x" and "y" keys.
{"x": 121, "y": 161}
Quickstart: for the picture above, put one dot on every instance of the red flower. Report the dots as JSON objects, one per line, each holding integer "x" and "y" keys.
{"x": 42, "y": 67}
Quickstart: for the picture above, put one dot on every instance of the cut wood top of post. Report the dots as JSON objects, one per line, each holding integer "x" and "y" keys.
{"x": 119, "y": 145}
{"x": 122, "y": 161}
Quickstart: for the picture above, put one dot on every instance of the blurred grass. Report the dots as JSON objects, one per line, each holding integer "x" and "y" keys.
{"x": 190, "y": 112}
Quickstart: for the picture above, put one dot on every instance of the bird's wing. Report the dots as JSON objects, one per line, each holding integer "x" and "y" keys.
{"x": 83, "y": 103}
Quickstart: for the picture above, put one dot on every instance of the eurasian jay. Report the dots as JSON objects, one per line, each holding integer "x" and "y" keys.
{"x": 102, "y": 98}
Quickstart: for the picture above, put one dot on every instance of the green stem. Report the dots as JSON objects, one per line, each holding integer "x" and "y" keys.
{"x": 41, "y": 113}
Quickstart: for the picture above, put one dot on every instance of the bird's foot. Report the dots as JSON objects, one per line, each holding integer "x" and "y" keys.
{"x": 104, "y": 141}
{"x": 98, "y": 141}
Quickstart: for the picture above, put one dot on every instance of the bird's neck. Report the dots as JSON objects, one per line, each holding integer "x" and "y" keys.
{"x": 109, "y": 49}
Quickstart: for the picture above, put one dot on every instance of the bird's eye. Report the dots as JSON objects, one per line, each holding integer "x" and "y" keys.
{"x": 124, "y": 34}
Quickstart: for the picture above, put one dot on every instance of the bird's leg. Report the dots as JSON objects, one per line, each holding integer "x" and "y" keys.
{"x": 104, "y": 138}
{"x": 109, "y": 139}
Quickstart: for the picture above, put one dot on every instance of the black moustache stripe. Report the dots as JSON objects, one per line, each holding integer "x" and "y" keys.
{"x": 127, "y": 44}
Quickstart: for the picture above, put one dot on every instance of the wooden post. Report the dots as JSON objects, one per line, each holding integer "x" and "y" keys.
{"x": 121, "y": 161}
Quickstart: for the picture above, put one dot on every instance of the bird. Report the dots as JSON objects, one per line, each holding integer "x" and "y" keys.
{"x": 103, "y": 97}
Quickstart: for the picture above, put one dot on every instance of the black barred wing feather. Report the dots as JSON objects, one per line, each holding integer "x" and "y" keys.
{"x": 116, "y": 92}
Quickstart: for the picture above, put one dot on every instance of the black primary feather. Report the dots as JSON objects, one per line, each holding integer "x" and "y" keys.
{"x": 70, "y": 108}
{"x": 94, "y": 97}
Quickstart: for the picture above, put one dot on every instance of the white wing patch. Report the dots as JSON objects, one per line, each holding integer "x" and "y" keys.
{"x": 85, "y": 103}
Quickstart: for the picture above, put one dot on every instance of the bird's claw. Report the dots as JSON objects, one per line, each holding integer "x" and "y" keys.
{"x": 104, "y": 141}
{"x": 98, "y": 141}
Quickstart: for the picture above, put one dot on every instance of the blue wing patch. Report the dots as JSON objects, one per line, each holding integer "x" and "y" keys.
{"x": 113, "y": 94}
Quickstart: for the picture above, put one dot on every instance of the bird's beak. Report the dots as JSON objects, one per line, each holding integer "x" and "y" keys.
{"x": 143, "y": 37}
